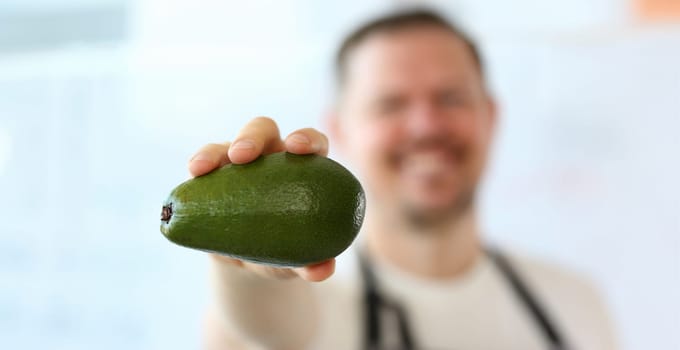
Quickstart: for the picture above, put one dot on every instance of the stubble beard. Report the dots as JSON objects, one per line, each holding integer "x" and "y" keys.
{"x": 428, "y": 220}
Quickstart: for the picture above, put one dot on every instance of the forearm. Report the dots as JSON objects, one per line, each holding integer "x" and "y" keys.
{"x": 277, "y": 314}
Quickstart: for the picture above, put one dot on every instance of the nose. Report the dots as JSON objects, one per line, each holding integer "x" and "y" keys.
{"x": 424, "y": 120}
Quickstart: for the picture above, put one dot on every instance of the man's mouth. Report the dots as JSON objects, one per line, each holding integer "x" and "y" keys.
{"x": 428, "y": 164}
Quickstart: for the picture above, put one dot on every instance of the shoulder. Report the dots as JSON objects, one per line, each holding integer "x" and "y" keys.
{"x": 550, "y": 277}
{"x": 570, "y": 297}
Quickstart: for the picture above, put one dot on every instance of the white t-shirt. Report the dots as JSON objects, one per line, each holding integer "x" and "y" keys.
{"x": 476, "y": 311}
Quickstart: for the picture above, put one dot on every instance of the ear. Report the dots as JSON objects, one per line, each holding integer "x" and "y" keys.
{"x": 333, "y": 125}
{"x": 492, "y": 112}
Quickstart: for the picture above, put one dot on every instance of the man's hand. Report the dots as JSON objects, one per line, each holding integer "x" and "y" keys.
{"x": 261, "y": 136}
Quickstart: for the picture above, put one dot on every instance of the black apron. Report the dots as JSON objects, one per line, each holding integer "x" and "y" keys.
{"x": 377, "y": 307}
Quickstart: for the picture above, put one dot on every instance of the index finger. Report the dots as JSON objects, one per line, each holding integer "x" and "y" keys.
{"x": 208, "y": 158}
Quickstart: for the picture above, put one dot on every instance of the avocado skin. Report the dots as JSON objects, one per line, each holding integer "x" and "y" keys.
{"x": 282, "y": 209}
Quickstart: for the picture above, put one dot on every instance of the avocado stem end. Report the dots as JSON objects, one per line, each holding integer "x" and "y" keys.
{"x": 166, "y": 213}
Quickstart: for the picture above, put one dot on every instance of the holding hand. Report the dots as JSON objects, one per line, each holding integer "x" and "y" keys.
{"x": 261, "y": 136}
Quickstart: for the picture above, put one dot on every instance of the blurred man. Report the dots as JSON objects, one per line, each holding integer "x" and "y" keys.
{"x": 414, "y": 116}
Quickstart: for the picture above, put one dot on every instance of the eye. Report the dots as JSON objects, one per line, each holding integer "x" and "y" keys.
{"x": 390, "y": 105}
{"x": 450, "y": 99}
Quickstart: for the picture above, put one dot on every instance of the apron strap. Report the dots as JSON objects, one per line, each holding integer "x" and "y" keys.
{"x": 528, "y": 299}
{"x": 375, "y": 305}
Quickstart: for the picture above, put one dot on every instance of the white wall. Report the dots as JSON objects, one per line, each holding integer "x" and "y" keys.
{"x": 93, "y": 137}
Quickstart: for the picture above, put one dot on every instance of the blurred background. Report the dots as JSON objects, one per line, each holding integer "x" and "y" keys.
{"x": 103, "y": 101}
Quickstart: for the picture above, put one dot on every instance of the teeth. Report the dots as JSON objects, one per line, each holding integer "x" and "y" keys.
{"x": 428, "y": 164}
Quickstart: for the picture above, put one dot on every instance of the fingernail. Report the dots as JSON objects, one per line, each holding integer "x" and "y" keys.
{"x": 243, "y": 144}
{"x": 299, "y": 138}
{"x": 201, "y": 156}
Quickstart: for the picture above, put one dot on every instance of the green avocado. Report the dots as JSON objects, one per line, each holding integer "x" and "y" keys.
{"x": 282, "y": 209}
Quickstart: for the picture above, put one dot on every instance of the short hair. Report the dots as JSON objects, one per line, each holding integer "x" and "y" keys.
{"x": 418, "y": 17}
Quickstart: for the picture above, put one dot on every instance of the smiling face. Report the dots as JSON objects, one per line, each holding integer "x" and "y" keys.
{"x": 415, "y": 119}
